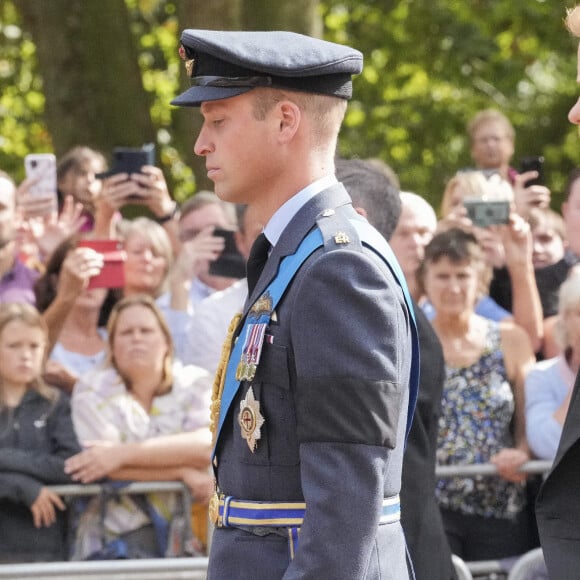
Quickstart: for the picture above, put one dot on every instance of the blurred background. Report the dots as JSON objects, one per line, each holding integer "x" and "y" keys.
{"x": 102, "y": 73}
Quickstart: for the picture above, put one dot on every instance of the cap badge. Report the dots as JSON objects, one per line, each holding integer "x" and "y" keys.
{"x": 250, "y": 420}
{"x": 341, "y": 238}
{"x": 189, "y": 62}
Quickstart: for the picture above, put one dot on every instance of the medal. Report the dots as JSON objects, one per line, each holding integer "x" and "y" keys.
{"x": 258, "y": 320}
{"x": 250, "y": 419}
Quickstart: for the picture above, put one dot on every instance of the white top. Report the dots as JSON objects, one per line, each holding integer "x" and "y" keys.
{"x": 78, "y": 363}
{"x": 210, "y": 324}
{"x": 103, "y": 410}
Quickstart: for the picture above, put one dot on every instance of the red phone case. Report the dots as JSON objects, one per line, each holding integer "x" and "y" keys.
{"x": 112, "y": 275}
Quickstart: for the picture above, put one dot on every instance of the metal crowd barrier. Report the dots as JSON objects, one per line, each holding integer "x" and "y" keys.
{"x": 443, "y": 471}
{"x": 151, "y": 569}
{"x": 488, "y": 568}
{"x": 196, "y": 568}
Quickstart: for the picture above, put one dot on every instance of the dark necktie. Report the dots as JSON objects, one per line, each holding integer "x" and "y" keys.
{"x": 257, "y": 261}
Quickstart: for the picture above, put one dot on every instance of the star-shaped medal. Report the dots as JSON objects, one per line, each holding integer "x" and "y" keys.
{"x": 250, "y": 419}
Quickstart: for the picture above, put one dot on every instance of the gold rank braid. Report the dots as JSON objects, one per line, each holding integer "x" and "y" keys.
{"x": 220, "y": 378}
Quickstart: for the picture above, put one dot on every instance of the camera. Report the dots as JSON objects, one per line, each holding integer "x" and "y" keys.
{"x": 484, "y": 213}
{"x": 230, "y": 263}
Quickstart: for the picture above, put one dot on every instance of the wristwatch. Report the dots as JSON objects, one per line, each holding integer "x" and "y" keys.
{"x": 168, "y": 216}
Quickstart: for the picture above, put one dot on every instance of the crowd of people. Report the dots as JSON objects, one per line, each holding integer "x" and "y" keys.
{"x": 112, "y": 383}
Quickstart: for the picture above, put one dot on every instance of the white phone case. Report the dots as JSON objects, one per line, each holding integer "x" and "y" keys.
{"x": 42, "y": 167}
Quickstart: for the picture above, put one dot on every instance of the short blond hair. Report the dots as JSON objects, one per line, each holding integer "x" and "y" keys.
{"x": 573, "y": 20}
{"x": 490, "y": 116}
{"x": 325, "y": 111}
{"x": 156, "y": 236}
{"x": 568, "y": 299}
{"x": 475, "y": 183}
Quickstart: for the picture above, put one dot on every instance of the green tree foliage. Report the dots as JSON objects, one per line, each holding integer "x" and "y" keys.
{"x": 430, "y": 65}
{"x": 22, "y": 127}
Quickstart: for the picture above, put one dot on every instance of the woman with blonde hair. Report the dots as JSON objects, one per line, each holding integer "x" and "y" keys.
{"x": 512, "y": 292}
{"x": 150, "y": 269}
{"x": 141, "y": 416}
{"x": 36, "y": 437}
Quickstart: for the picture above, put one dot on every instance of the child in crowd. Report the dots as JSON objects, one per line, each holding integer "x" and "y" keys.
{"x": 36, "y": 437}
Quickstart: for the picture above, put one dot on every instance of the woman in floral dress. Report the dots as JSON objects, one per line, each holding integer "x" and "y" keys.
{"x": 482, "y": 420}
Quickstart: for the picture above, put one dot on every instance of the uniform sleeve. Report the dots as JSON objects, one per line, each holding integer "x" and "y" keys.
{"x": 350, "y": 335}
{"x": 48, "y": 468}
{"x": 542, "y": 430}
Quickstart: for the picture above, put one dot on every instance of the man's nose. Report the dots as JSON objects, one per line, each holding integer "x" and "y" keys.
{"x": 574, "y": 114}
{"x": 202, "y": 145}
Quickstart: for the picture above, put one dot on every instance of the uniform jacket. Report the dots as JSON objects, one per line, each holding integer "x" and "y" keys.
{"x": 332, "y": 384}
{"x": 35, "y": 440}
{"x": 558, "y": 501}
{"x": 420, "y": 513}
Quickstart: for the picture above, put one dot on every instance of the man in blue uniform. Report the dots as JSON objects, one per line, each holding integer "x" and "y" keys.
{"x": 313, "y": 402}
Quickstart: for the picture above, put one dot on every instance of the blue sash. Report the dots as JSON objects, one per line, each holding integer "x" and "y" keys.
{"x": 288, "y": 268}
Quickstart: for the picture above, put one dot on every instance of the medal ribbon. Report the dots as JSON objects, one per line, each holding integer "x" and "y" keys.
{"x": 242, "y": 350}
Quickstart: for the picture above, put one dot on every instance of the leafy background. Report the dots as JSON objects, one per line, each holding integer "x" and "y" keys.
{"x": 430, "y": 65}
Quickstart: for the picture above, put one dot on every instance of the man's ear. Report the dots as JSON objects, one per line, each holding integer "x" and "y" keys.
{"x": 361, "y": 211}
{"x": 289, "y": 116}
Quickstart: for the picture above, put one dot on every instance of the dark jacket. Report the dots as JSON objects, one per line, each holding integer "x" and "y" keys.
{"x": 558, "y": 502}
{"x": 420, "y": 514}
{"x": 35, "y": 439}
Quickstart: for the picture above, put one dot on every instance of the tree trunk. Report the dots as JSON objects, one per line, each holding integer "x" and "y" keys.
{"x": 294, "y": 15}
{"x": 89, "y": 66}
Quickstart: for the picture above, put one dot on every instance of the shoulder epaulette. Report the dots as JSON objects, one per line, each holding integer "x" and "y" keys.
{"x": 337, "y": 231}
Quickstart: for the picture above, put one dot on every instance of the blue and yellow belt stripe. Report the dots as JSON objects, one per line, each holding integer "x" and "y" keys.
{"x": 240, "y": 513}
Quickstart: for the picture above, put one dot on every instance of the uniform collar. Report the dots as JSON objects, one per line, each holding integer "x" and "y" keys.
{"x": 288, "y": 210}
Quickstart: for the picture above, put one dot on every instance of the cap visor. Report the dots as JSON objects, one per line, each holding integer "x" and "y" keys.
{"x": 194, "y": 96}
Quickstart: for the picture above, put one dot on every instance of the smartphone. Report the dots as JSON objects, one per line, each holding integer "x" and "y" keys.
{"x": 534, "y": 163}
{"x": 42, "y": 168}
{"x": 485, "y": 213}
{"x": 130, "y": 159}
{"x": 112, "y": 274}
{"x": 230, "y": 262}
